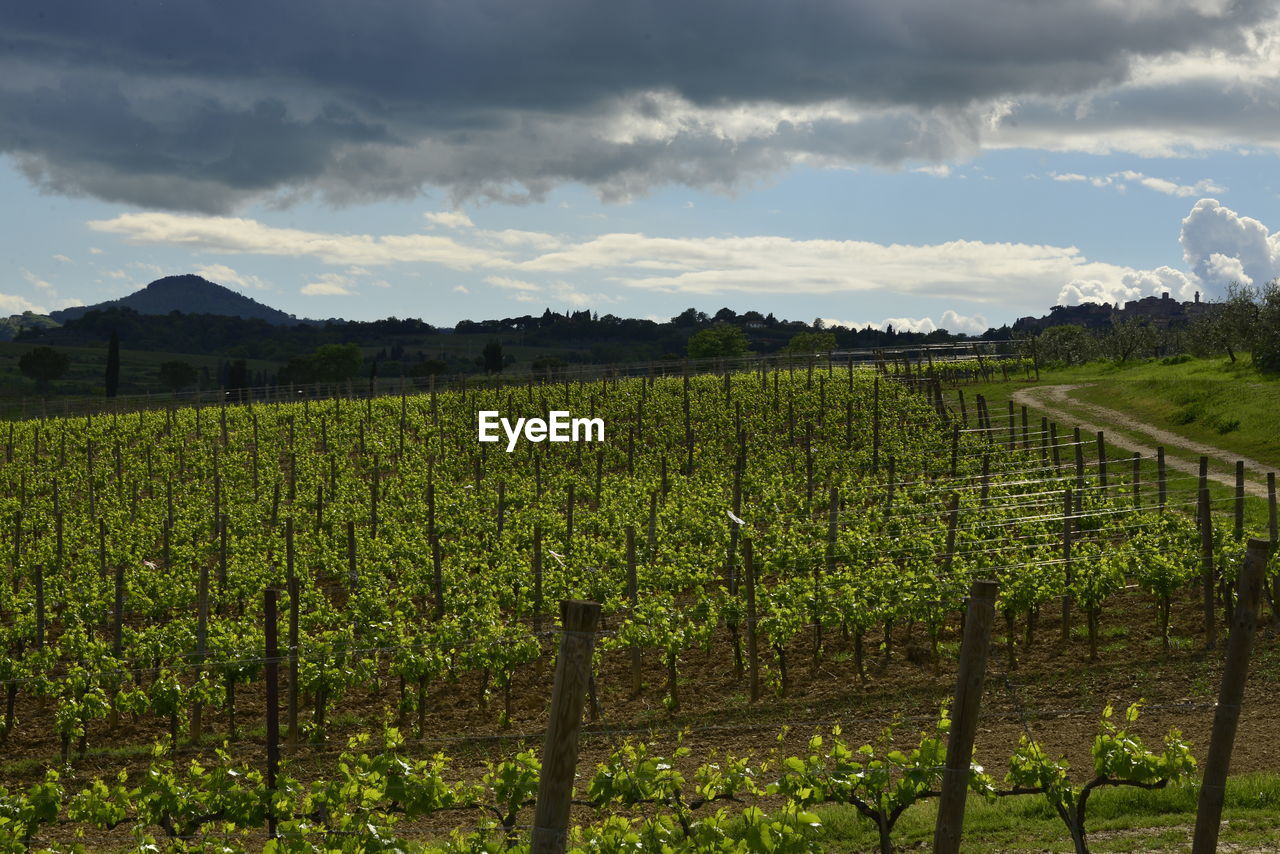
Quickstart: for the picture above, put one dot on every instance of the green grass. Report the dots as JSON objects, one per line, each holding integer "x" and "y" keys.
{"x": 1220, "y": 394}
{"x": 1121, "y": 819}
{"x": 1213, "y": 401}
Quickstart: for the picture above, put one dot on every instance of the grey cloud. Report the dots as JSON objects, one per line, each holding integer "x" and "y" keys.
{"x": 204, "y": 105}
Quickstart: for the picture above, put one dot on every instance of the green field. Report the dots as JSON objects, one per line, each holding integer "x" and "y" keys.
{"x": 424, "y": 569}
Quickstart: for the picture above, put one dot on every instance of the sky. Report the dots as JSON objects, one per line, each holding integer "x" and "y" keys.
{"x": 927, "y": 164}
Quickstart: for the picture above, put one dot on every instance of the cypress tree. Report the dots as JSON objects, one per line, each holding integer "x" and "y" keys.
{"x": 113, "y": 365}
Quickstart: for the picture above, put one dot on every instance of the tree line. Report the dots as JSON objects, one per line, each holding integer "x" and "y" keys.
{"x": 1245, "y": 321}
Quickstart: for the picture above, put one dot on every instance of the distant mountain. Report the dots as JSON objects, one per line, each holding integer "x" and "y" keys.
{"x": 187, "y": 294}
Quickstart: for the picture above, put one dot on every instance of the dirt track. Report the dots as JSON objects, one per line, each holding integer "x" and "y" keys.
{"x": 1044, "y": 399}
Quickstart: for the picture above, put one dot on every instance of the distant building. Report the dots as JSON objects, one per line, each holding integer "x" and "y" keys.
{"x": 1163, "y": 311}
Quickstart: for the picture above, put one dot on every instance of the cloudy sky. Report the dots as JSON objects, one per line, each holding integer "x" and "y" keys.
{"x": 921, "y": 162}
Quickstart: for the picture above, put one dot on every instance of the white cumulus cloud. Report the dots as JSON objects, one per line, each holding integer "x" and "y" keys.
{"x": 1221, "y": 246}
{"x": 449, "y": 219}
{"x": 224, "y": 275}
{"x": 329, "y": 285}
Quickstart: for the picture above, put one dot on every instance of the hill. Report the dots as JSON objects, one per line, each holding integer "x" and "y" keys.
{"x": 189, "y": 294}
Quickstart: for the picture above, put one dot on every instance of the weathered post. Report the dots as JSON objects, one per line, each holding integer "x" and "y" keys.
{"x": 273, "y": 706}
{"x": 973, "y": 669}
{"x": 560, "y": 748}
{"x": 1226, "y": 716}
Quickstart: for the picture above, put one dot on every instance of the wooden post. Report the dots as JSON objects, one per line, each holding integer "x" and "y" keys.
{"x": 117, "y": 635}
{"x": 560, "y": 749}
{"x": 273, "y": 706}
{"x": 973, "y": 668}
{"x": 17, "y": 550}
{"x": 875, "y": 426}
{"x": 1079, "y": 444}
{"x": 373, "y": 500}
{"x": 753, "y": 652}
{"x": 1102, "y": 464}
{"x": 39, "y": 573}
{"x": 1239, "y": 529}
{"x": 1044, "y": 441}
{"x": 353, "y": 577}
{"x": 202, "y": 640}
{"x": 888, "y": 504}
{"x": 1160, "y": 476}
{"x": 502, "y": 505}
{"x": 1226, "y": 716}
{"x": 986, "y": 479}
{"x": 437, "y": 575}
{"x": 633, "y": 598}
{"x": 955, "y": 448}
{"x": 1272, "y": 527}
{"x": 295, "y": 602}
{"x": 1137, "y": 480}
{"x": 537, "y": 578}
{"x": 833, "y": 516}
{"x": 568, "y": 527}
{"x": 1206, "y": 567}
{"x": 1066, "y": 562}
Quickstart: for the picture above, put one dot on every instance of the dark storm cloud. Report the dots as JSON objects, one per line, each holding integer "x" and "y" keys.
{"x": 202, "y": 105}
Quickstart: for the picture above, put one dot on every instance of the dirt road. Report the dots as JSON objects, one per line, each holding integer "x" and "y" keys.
{"x": 1050, "y": 399}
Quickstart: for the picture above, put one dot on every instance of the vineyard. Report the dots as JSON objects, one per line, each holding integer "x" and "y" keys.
{"x": 753, "y": 539}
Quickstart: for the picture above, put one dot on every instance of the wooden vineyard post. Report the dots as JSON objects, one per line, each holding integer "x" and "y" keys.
{"x": 117, "y": 635}
{"x": 986, "y": 479}
{"x": 1137, "y": 480}
{"x": 353, "y": 576}
{"x": 272, "y": 664}
{"x": 955, "y": 448}
{"x": 973, "y": 669}
{"x": 1272, "y": 528}
{"x": 17, "y": 550}
{"x": 560, "y": 748}
{"x": 373, "y": 501}
{"x": 568, "y": 527}
{"x": 1026, "y": 435}
{"x": 753, "y": 652}
{"x": 1044, "y": 442}
{"x": 202, "y": 639}
{"x": 437, "y": 576}
{"x": 1102, "y": 464}
{"x": 1013, "y": 435}
{"x": 39, "y": 573}
{"x": 1162, "y": 482}
{"x": 1066, "y": 562}
{"x": 633, "y": 598}
{"x": 1206, "y": 567}
{"x": 537, "y": 578}
{"x": 875, "y": 427}
{"x": 833, "y": 517}
{"x": 502, "y": 505}
{"x": 294, "y": 606}
{"x": 1226, "y": 716}
{"x": 888, "y": 504}
{"x": 1079, "y": 444}
{"x": 1239, "y": 504}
